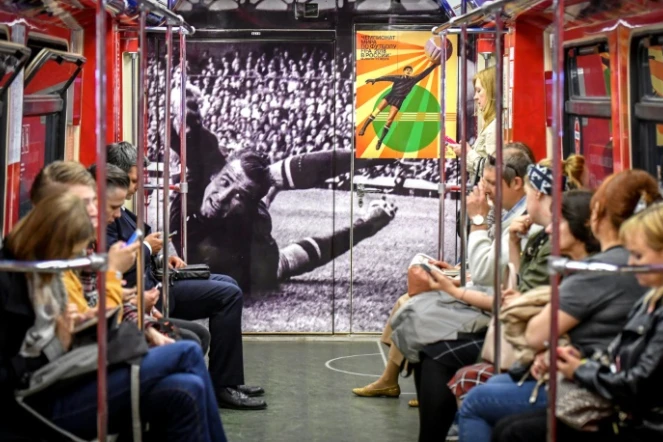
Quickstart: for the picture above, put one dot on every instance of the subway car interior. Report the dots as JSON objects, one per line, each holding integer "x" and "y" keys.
{"x": 331, "y": 220}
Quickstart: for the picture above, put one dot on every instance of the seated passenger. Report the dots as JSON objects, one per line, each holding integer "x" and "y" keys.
{"x": 82, "y": 285}
{"x": 439, "y": 362}
{"x": 481, "y": 254}
{"x": 631, "y": 377}
{"x": 177, "y": 398}
{"x": 530, "y": 261}
{"x": 593, "y": 308}
{"x": 218, "y": 298}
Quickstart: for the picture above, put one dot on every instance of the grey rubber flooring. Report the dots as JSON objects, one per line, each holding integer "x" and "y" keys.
{"x": 309, "y": 401}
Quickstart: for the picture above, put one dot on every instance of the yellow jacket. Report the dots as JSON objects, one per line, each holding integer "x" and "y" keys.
{"x": 76, "y": 296}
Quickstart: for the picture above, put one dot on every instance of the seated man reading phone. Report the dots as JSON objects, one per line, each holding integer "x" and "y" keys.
{"x": 217, "y": 298}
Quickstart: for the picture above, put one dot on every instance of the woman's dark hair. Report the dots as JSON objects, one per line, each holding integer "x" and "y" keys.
{"x": 576, "y": 210}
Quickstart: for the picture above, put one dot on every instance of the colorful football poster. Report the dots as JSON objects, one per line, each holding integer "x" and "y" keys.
{"x": 397, "y": 109}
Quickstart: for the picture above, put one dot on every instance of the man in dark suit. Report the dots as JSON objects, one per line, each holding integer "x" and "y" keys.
{"x": 218, "y": 298}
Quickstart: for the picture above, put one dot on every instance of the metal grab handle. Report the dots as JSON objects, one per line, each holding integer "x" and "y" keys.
{"x": 177, "y": 19}
{"x": 173, "y": 187}
{"x": 95, "y": 262}
{"x": 483, "y": 13}
{"x": 190, "y": 30}
{"x": 564, "y": 265}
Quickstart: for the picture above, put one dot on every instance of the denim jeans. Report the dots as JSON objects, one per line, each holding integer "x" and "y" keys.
{"x": 176, "y": 399}
{"x": 486, "y": 404}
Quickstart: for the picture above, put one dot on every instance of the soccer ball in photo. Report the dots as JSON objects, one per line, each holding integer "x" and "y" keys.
{"x": 434, "y": 51}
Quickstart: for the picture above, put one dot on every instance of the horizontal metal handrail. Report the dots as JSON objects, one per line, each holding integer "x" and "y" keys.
{"x": 564, "y": 265}
{"x": 454, "y": 31}
{"x": 177, "y": 19}
{"x": 177, "y": 29}
{"x": 485, "y": 13}
{"x": 93, "y": 262}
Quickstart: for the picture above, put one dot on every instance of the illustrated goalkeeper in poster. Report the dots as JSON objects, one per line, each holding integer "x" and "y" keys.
{"x": 403, "y": 85}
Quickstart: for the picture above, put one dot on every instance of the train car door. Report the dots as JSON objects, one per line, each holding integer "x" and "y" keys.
{"x": 270, "y": 94}
{"x": 395, "y": 203}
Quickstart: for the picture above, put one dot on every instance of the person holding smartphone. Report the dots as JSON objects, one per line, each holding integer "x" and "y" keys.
{"x": 218, "y": 298}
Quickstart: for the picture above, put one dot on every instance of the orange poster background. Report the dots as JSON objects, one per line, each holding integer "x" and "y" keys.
{"x": 397, "y": 50}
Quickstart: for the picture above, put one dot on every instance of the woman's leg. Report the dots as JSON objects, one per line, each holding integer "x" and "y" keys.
{"x": 188, "y": 358}
{"x": 486, "y": 404}
{"x": 387, "y": 384}
{"x": 524, "y": 427}
{"x": 75, "y": 409}
{"x": 437, "y": 404}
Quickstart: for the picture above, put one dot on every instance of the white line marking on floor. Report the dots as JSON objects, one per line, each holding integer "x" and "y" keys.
{"x": 384, "y": 358}
{"x": 328, "y": 365}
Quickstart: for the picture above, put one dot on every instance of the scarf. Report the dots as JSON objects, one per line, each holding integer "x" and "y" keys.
{"x": 49, "y": 301}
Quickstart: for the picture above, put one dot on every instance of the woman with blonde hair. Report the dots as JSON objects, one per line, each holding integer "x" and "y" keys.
{"x": 484, "y": 98}
{"x": 630, "y": 377}
{"x": 573, "y": 168}
{"x": 36, "y": 327}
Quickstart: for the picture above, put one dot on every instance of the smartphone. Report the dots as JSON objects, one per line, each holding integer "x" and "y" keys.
{"x": 430, "y": 269}
{"x": 136, "y": 236}
{"x": 111, "y": 317}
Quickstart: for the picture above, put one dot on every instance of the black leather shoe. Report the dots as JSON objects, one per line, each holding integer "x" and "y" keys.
{"x": 236, "y": 400}
{"x": 251, "y": 391}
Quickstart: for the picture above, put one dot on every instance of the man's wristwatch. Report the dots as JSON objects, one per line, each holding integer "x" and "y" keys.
{"x": 478, "y": 220}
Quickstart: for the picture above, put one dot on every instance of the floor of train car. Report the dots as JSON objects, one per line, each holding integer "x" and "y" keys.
{"x": 309, "y": 395}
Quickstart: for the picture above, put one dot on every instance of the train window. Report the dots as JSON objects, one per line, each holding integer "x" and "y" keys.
{"x": 47, "y": 78}
{"x": 51, "y": 72}
{"x": 647, "y": 96}
{"x": 588, "y": 112}
{"x": 589, "y": 70}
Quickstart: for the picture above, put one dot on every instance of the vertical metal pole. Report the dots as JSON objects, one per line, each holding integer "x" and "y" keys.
{"x": 117, "y": 86}
{"x": 442, "y": 146}
{"x": 135, "y": 111}
{"x": 557, "y": 139}
{"x": 166, "y": 168}
{"x": 100, "y": 129}
{"x": 184, "y": 186}
{"x": 499, "y": 169}
{"x": 462, "y": 48}
{"x": 140, "y": 160}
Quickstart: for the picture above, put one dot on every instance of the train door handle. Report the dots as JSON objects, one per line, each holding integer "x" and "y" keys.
{"x": 362, "y": 191}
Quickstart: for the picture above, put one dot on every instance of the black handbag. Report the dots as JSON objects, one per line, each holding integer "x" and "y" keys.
{"x": 194, "y": 271}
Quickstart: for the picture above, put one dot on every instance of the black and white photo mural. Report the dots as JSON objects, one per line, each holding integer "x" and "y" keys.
{"x": 319, "y": 241}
